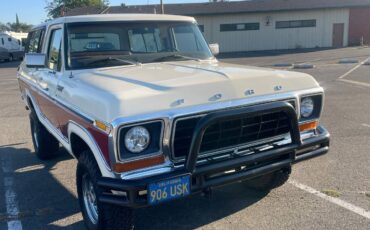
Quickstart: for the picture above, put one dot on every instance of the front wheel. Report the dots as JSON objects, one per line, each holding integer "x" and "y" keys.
{"x": 45, "y": 144}
{"x": 96, "y": 215}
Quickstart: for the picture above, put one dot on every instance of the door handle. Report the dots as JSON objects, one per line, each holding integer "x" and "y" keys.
{"x": 60, "y": 88}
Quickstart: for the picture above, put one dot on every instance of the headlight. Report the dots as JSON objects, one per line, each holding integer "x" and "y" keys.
{"x": 137, "y": 139}
{"x": 307, "y": 107}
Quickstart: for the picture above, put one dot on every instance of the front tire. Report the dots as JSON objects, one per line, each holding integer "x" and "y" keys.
{"x": 45, "y": 144}
{"x": 96, "y": 215}
{"x": 270, "y": 181}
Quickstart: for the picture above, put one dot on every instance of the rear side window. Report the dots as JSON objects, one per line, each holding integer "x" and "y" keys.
{"x": 54, "y": 50}
{"x": 34, "y": 41}
{"x": 2, "y": 41}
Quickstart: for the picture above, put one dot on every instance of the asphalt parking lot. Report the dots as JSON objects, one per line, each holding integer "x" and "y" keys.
{"x": 42, "y": 194}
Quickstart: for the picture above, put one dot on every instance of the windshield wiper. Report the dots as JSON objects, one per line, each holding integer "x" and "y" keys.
{"x": 174, "y": 56}
{"x": 108, "y": 59}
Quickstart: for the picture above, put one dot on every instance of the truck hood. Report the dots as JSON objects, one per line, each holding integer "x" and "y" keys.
{"x": 133, "y": 90}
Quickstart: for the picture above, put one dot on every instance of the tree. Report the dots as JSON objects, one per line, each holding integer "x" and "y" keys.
{"x": 3, "y": 27}
{"x": 16, "y": 26}
{"x": 16, "y": 19}
{"x": 56, "y": 8}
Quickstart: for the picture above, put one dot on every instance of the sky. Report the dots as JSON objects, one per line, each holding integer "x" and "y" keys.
{"x": 33, "y": 12}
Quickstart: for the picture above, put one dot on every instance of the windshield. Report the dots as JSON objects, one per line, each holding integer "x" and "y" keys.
{"x": 104, "y": 44}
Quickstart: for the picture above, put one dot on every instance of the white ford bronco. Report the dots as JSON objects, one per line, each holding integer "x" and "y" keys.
{"x": 152, "y": 116}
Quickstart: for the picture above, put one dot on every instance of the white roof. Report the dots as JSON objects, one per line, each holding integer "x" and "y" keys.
{"x": 118, "y": 17}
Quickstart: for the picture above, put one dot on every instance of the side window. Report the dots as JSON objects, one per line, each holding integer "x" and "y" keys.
{"x": 2, "y": 41}
{"x": 9, "y": 39}
{"x": 54, "y": 50}
{"x": 34, "y": 41}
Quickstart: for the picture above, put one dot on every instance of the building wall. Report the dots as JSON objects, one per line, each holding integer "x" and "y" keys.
{"x": 359, "y": 19}
{"x": 270, "y": 38}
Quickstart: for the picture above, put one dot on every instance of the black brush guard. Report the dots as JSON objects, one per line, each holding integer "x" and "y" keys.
{"x": 211, "y": 175}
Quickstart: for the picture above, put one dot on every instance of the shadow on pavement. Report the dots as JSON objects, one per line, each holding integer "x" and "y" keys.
{"x": 42, "y": 199}
{"x": 197, "y": 211}
{"x": 44, "y": 202}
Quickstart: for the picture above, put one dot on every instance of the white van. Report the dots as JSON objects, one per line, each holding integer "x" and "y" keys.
{"x": 11, "y": 48}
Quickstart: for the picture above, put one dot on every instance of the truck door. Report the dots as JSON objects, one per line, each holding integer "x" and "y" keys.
{"x": 48, "y": 77}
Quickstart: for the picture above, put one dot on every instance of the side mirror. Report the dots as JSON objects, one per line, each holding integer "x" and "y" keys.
{"x": 34, "y": 60}
{"x": 215, "y": 48}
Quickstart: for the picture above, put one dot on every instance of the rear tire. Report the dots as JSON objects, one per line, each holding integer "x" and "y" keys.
{"x": 45, "y": 144}
{"x": 270, "y": 181}
{"x": 98, "y": 216}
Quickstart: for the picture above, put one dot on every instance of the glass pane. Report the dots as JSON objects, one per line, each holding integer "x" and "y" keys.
{"x": 33, "y": 46}
{"x": 54, "y": 49}
{"x": 282, "y": 24}
{"x": 240, "y": 26}
{"x": 105, "y": 44}
{"x": 295, "y": 24}
{"x": 185, "y": 39}
{"x": 93, "y": 42}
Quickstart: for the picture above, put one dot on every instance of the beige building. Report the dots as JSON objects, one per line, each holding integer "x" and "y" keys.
{"x": 274, "y": 30}
{"x": 269, "y": 24}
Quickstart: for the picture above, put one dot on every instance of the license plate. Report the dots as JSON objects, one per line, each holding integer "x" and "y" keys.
{"x": 169, "y": 189}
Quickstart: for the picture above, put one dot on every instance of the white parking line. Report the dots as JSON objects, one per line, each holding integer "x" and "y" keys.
{"x": 10, "y": 195}
{"x": 339, "y": 202}
{"x": 355, "y": 82}
{"x": 353, "y": 69}
{"x": 366, "y": 125}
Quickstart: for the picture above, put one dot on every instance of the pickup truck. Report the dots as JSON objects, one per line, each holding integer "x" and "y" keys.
{"x": 152, "y": 116}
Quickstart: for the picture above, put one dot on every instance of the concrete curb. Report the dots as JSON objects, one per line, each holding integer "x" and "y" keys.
{"x": 303, "y": 66}
{"x": 348, "y": 61}
{"x": 283, "y": 65}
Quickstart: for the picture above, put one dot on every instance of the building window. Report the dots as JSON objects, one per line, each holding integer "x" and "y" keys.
{"x": 201, "y": 28}
{"x": 239, "y": 27}
{"x": 295, "y": 24}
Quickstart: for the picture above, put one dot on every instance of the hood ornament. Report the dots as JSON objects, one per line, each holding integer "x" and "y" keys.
{"x": 216, "y": 97}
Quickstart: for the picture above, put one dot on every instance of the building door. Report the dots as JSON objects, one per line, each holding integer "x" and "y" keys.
{"x": 338, "y": 34}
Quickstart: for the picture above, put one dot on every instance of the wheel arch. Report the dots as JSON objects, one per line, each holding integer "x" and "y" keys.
{"x": 79, "y": 135}
{"x": 29, "y": 101}
{"x": 80, "y": 140}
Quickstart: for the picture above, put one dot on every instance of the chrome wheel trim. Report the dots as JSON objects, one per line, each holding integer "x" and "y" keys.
{"x": 89, "y": 198}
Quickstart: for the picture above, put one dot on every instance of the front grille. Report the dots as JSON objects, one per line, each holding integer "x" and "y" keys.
{"x": 229, "y": 133}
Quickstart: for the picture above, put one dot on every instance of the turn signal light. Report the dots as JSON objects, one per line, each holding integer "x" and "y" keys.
{"x": 102, "y": 126}
{"x": 143, "y": 163}
{"x": 308, "y": 126}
